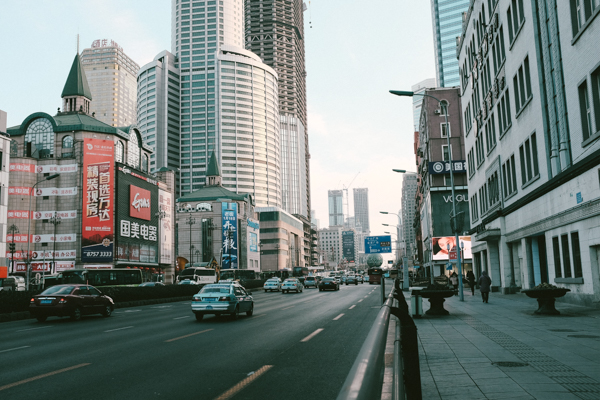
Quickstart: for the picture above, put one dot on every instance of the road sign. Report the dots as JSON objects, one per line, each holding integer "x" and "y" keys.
{"x": 378, "y": 244}
{"x": 449, "y": 266}
{"x": 452, "y": 255}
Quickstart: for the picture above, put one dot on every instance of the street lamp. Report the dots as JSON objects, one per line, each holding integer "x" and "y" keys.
{"x": 11, "y": 246}
{"x": 48, "y": 178}
{"x": 191, "y": 221}
{"x": 444, "y": 107}
{"x": 55, "y": 220}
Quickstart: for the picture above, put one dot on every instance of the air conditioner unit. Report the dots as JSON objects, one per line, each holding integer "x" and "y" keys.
{"x": 437, "y": 111}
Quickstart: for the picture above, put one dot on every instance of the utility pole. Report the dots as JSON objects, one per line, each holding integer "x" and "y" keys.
{"x": 55, "y": 220}
{"x": 11, "y": 246}
{"x": 191, "y": 221}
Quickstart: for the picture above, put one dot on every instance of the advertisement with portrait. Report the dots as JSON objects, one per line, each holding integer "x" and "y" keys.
{"x": 137, "y": 217}
{"x": 439, "y": 247}
{"x": 441, "y": 202}
{"x": 229, "y": 235}
{"x": 97, "y": 236}
{"x": 165, "y": 206}
{"x": 348, "y": 246}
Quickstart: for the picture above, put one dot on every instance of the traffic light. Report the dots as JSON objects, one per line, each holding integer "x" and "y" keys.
{"x": 11, "y": 247}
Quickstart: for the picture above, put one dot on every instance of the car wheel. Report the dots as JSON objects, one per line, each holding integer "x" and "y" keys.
{"x": 41, "y": 318}
{"x": 107, "y": 311}
{"x": 199, "y": 317}
{"x": 234, "y": 314}
{"x": 320, "y": 290}
{"x": 250, "y": 311}
{"x": 76, "y": 315}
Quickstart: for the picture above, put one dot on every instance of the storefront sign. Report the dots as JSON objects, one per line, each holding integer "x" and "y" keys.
{"x": 42, "y": 214}
{"x": 43, "y": 169}
{"x": 19, "y": 190}
{"x": 443, "y": 167}
{"x": 64, "y": 238}
{"x": 229, "y": 235}
{"x": 44, "y": 255}
{"x": 53, "y": 191}
{"x": 165, "y": 207}
{"x": 139, "y": 203}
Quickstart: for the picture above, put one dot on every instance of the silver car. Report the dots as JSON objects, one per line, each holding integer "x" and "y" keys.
{"x": 273, "y": 284}
{"x": 311, "y": 281}
{"x": 222, "y": 298}
{"x": 292, "y": 284}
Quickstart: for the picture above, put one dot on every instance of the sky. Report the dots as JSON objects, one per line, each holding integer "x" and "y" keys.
{"x": 356, "y": 51}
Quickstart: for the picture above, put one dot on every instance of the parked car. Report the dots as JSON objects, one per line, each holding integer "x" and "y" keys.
{"x": 292, "y": 284}
{"x": 187, "y": 282}
{"x": 152, "y": 284}
{"x": 329, "y": 283}
{"x": 15, "y": 283}
{"x": 70, "y": 300}
{"x": 222, "y": 298}
{"x": 311, "y": 281}
{"x": 273, "y": 284}
{"x": 351, "y": 279}
{"x": 360, "y": 279}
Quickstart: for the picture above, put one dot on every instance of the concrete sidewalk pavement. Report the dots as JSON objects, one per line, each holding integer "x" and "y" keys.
{"x": 501, "y": 350}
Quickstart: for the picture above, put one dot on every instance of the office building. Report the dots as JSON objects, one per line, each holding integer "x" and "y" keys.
{"x": 417, "y": 98}
{"x": 336, "y": 207}
{"x": 282, "y": 239}
{"x": 111, "y": 76}
{"x": 447, "y": 19}
{"x": 229, "y": 102}
{"x": 275, "y": 32}
{"x": 330, "y": 246}
{"x": 361, "y": 209}
{"x": 531, "y": 106}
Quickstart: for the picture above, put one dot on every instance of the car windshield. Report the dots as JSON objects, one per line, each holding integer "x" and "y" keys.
{"x": 213, "y": 289}
{"x": 290, "y": 280}
{"x": 58, "y": 290}
{"x": 273, "y": 281}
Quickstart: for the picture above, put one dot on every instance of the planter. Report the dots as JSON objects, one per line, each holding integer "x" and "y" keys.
{"x": 546, "y": 299}
{"x": 436, "y": 299}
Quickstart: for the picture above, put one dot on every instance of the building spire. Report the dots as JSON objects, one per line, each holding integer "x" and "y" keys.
{"x": 76, "y": 94}
{"x": 213, "y": 172}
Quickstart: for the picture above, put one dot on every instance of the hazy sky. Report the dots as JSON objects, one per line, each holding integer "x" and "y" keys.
{"x": 355, "y": 52}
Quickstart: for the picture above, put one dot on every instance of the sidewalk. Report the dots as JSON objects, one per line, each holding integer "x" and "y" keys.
{"x": 500, "y": 350}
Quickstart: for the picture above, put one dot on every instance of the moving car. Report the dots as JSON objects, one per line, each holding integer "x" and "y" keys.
{"x": 222, "y": 298}
{"x": 273, "y": 284}
{"x": 311, "y": 281}
{"x": 360, "y": 279}
{"x": 351, "y": 279}
{"x": 151, "y": 284}
{"x": 187, "y": 282}
{"x": 70, "y": 300}
{"x": 329, "y": 283}
{"x": 291, "y": 284}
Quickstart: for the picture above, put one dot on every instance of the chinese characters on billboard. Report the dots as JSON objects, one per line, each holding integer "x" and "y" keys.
{"x": 348, "y": 246}
{"x": 98, "y": 201}
{"x": 165, "y": 204}
{"x": 230, "y": 243}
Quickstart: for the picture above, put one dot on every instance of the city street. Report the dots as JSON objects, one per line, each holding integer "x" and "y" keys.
{"x": 296, "y": 346}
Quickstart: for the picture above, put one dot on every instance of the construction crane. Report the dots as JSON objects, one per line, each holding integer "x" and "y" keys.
{"x": 345, "y": 188}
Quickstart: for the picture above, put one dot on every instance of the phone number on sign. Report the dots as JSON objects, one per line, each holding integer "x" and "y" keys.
{"x": 98, "y": 254}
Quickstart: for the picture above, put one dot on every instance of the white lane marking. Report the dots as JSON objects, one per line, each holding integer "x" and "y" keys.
{"x": 366, "y": 296}
{"x": 162, "y": 307}
{"x": 33, "y": 329}
{"x": 187, "y": 316}
{"x": 312, "y": 335}
{"x": 258, "y": 316}
{"x": 338, "y": 317}
{"x": 16, "y": 348}
{"x": 360, "y": 300}
{"x": 351, "y": 307}
{"x": 132, "y": 311}
{"x": 248, "y": 380}
{"x": 119, "y": 329}
{"x": 288, "y": 307}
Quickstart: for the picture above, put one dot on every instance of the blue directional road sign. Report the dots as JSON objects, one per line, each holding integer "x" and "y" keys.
{"x": 378, "y": 244}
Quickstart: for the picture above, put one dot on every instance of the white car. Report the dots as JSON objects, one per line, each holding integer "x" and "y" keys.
{"x": 273, "y": 284}
{"x": 292, "y": 284}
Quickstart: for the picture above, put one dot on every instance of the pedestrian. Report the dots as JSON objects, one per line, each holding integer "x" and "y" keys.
{"x": 454, "y": 281}
{"x": 484, "y": 286}
{"x": 471, "y": 280}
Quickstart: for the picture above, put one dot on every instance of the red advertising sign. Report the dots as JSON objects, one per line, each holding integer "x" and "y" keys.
{"x": 98, "y": 200}
{"x": 139, "y": 203}
{"x": 19, "y": 190}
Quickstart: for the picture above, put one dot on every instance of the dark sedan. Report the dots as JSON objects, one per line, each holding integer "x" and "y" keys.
{"x": 329, "y": 284}
{"x": 70, "y": 301}
{"x": 151, "y": 284}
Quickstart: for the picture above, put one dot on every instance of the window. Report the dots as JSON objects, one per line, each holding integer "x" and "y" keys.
{"x": 515, "y": 18}
{"x": 503, "y": 108}
{"x": 576, "y": 251}
{"x": 498, "y": 51}
{"x": 444, "y": 108}
{"x": 471, "y": 162}
{"x": 509, "y": 177}
{"x": 490, "y": 134}
{"x": 581, "y": 12}
{"x": 144, "y": 163}
{"x": 596, "y": 95}
{"x": 133, "y": 150}
{"x": 479, "y": 150}
{"x": 529, "y": 160}
{"x": 493, "y": 190}
{"x": 586, "y": 111}
{"x": 445, "y": 152}
{"x": 474, "y": 210}
{"x": 556, "y": 250}
{"x": 119, "y": 151}
{"x": 444, "y": 131}
{"x": 564, "y": 239}
{"x": 67, "y": 146}
{"x": 522, "y": 85}
{"x": 39, "y": 139}
{"x": 468, "y": 121}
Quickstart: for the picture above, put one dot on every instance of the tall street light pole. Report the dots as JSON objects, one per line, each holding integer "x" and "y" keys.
{"x": 48, "y": 178}
{"x": 444, "y": 108}
{"x": 191, "y": 221}
{"x": 55, "y": 220}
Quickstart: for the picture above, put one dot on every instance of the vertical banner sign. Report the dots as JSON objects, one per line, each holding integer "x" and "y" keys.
{"x": 348, "y": 246}
{"x": 165, "y": 203}
{"x": 230, "y": 245}
{"x": 98, "y": 201}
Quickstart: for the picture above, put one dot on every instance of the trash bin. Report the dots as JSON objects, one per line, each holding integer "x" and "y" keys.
{"x": 416, "y": 303}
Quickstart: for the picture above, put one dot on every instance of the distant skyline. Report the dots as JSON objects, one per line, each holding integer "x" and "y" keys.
{"x": 354, "y": 55}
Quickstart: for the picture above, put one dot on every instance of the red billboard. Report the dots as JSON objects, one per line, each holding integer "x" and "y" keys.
{"x": 97, "y": 238}
{"x": 139, "y": 203}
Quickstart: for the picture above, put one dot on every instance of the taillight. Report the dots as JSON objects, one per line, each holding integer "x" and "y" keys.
{"x": 32, "y": 300}
{"x": 224, "y": 298}
{"x": 62, "y": 300}
{"x": 196, "y": 299}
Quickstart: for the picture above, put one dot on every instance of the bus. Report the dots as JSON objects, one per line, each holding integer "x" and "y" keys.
{"x": 248, "y": 278}
{"x": 375, "y": 275}
{"x": 199, "y": 274}
{"x": 300, "y": 272}
{"x": 102, "y": 277}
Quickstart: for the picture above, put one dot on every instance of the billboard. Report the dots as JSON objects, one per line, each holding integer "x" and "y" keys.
{"x": 443, "y": 167}
{"x": 229, "y": 235}
{"x": 253, "y": 231}
{"x": 348, "y": 250}
{"x": 378, "y": 244}
{"x": 165, "y": 204}
{"x": 441, "y": 208}
{"x": 98, "y": 201}
{"x": 439, "y": 247}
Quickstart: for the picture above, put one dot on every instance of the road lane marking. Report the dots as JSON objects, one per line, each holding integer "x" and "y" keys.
{"x": 351, "y": 307}
{"x": 118, "y": 329}
{"x": 187, "y": 316}
{"x": 132, "y": 311}
{"x": 360, "y": 300}
{"x": 185, "y": 336}
{"x": 33, "y": 329}
{"x": 237, "y": 388}
{"x": 42, "y": 376}
{"x": 288, "y": 307}
{"x": 16, "y": 348}
{"x": 338, "y": 317}
{"x": 312, "y": 335}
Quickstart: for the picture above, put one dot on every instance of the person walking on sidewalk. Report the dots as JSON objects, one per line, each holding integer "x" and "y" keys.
{"x": 485, "y": 282}
{"x": 471, "y": 280}
{"x": 454, "y": 281}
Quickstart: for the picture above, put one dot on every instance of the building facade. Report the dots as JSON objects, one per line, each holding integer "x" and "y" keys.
{"x": 330, "y": 246}
{"x": 4, "y": 181}
{"x": 281, "y": 238}
{"x": 447, "y": 21}
{"x": 111, "y": 76}
{"x": 336, "y": 207}
{"x": 361, "y": 209}
{"x": 417, "y": 98}
{"x": 532, "y": 115}
{"x": 407, "y": 236}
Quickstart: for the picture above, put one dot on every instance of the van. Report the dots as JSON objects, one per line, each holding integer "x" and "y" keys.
{"x": 15, "y": 283}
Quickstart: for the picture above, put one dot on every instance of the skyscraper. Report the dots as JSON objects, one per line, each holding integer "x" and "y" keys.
{"x": 407, "y": 235}
{"x": 447, "y": 16}
{"x": 229, "y": 101}
{"x": 111, "y": 76}
{"x": 336, "y": 207}
{"x": 361, "y": 208}
{"x": 275, "y": 32}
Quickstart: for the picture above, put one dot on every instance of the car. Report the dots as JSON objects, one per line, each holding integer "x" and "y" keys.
{"x": 366, "y": 278}
{"x": 152, "y": 284}
{"x": 351, "y": 279}
{"x": 311, "y": 281}
{"x": 292, "y": 284}
{"x": 222, "y": 298}
{"x": 329, "y": 283}
{"x": 273, "y": 284}
{"x": 360, "y": 279}
{"x": 14, "y": 283}
{"x": 70, "y": 301}
{"x": 187, "y": 282}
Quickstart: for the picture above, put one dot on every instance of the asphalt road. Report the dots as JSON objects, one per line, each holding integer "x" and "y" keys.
{"x": 295, "y": 346}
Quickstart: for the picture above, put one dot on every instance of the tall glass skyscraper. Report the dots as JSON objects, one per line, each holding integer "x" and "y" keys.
{"x": 336, "y": 207}
{"x": 447, "y": 25}
{"x": 361, "y": 209}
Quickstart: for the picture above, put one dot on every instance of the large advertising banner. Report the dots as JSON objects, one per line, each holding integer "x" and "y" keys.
{"x": 439, "y": 247}
{"x": 348, "y": 246}
{"x": 230, "y": 242}
{"x": 253, "y": 232}
{"x": 165, "y": 207}
{"x": 97, "y": 237}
